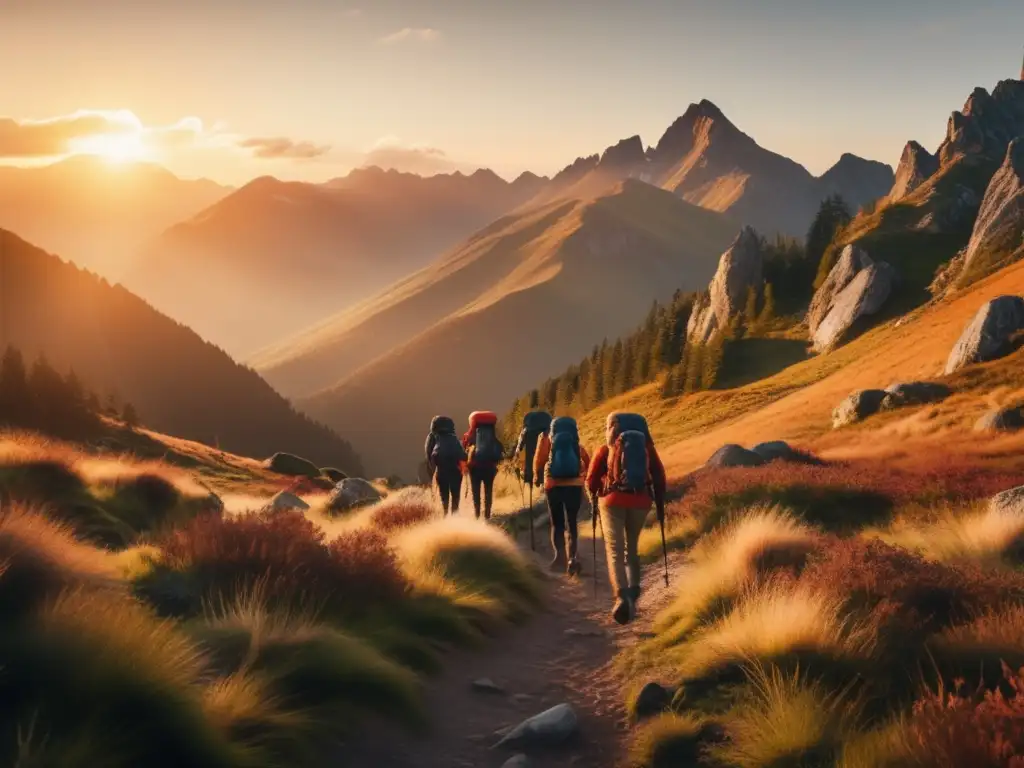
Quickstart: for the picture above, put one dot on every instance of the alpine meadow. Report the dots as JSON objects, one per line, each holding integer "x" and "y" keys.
{"x": 444, "y": 384}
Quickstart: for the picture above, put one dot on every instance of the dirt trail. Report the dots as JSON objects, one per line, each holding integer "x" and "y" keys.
{"x": 563, "y": 654}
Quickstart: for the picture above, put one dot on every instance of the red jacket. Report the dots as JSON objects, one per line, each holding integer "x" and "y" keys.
{"x": 598, "y": 473}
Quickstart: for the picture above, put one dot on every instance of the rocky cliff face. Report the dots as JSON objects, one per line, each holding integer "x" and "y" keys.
{"x": 917, "y": 164}
{"x": 627, "y": 155}
{"x": 739, "y": 269}
{"x": 856, "y": 286}
{"x": 999, "y": 228}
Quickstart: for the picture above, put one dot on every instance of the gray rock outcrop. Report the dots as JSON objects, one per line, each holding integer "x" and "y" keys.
{"x": 1001, "y": 420}
{"x": 987, "y": 123}
{"x": 913, "y": 393}
{"x": 999, "y": 226}
{"x": 286, "y": 500}
{"x": 732, "y": 455}
{"x": 550, "y": 728}
{"x": 774, "y": 449}
{"x": 855, "y": 287}
{"x": 1010, "y": 502}
{"x": 652, "y": 700}
{"x": 917, "y": 164}
{"x": 739, "y": 269}
{"x": 857, "y": 406}
{"x": 989, "y": 334}
{"x": 350, "y": 493}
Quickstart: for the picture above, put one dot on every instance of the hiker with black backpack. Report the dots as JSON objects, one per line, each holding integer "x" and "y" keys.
{"x": 484, "y": 452}
{"x": 445, "y": 458}
{"x": 625, "y": 477}
{"x": 561, "y": 464}
{"x": 535, "y": 426}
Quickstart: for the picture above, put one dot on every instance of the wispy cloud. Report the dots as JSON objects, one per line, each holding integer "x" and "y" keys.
{"x": 391, "y": 152}
{"x": 281, "y": 147}
{"x": 411, "y": 34}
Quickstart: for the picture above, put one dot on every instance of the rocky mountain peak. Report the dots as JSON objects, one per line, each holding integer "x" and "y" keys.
{"x": 1001, "y": 216}
{"x": 740, "y": 268}
{"x": 987, "y": 123}
{"x": 627, "y": 152}
{"x": 917, "y": 164}
{"x": 576, "y": 170}
{"x": 678, "y": 139}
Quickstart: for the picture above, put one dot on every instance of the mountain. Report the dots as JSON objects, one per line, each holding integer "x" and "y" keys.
{"x": 116, "y": 342}
{"x": 96, "y": 213}
{"x": 527, "y": 294}
{"x": 705, "y": 159}
{"x": 274, "y": 256}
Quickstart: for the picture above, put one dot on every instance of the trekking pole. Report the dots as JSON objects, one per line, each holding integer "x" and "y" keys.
{"x": 664, "y": 546}
{"x": 593, "y": 535}
{"x": 522, "y": 498}
{"x": 529, "y": 519}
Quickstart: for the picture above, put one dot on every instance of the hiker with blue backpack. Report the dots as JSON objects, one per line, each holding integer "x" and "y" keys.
{"x": 484, "y": 453}
{"x": 561, "y": 464}
{"x": 446, "y": 458}
{"x": 626, "y": 476}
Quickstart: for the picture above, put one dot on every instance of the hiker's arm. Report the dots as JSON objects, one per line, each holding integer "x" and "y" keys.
{"x": 658, "y": 481}
{"x": 429, "y": 450}
{"x": 598, "y": 469}
{"x": 584, "y": 459}
{"x": 541, "y": 458}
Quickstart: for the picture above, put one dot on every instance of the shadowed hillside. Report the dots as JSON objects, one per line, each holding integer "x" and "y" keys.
{"x": 531, "y": 295}
{"x": 117, "y": 343}
{"x": 299, "y": 252}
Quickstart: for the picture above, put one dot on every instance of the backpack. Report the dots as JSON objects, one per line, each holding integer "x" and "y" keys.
{"x": 441, "y": 424}
{"x": 628, "y": 463}
{"x": 535, "y": 424}
{"x": 486, "y": 448}
{"x": 448, "y": 450}
{"x": 564, "y": 461}
{"x": 620, "y": 421}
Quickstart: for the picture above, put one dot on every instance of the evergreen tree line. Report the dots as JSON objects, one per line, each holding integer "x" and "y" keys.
{"x": 40, "y": 398}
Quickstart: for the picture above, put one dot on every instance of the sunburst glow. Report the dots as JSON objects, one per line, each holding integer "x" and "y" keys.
{"x": 113, "y": 147}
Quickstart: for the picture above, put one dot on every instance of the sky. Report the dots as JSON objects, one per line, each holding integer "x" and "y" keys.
{"x": 308, "y": 89}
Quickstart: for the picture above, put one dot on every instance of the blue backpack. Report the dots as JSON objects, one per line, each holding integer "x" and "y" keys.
{"x": 564, "y": 461}
{"x": 628, "y": 463}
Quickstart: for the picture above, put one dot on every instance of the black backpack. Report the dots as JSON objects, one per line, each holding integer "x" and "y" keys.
{"x": 448, "y": 451}
{"x": 535, "y": 424}
{"x": 486, "y": 447}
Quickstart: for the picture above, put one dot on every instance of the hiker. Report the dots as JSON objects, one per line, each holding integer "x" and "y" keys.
{"x": 627, "y": 475}
{"x": 445, "y": 459}
{"x": 561, "y": 464}
{"x": 535, "y": 426}
{"x": 485, "y": 453}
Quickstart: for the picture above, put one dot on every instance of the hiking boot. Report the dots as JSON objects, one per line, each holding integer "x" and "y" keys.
{"x": 624, "y": 610}
{"x": 634, "y": 593}
{"x": 575, "y": 567}
{"x": 558, "y": 563}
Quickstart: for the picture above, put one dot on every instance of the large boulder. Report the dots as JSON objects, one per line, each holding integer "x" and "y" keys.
{"x": 351, "y": 493}
{"x": 951, "y": 211}
{"x": 776, "y": 449}
{"x": 739, "y": 269}
{"x": 989, "y": 334}
{"x": 550, "y": 728}
{"x": 290, "y": 464}
{"x": 287, "y": 500}
{"x": 913, "y": 393}
{"x": 916, "y": 165}
{"x": 732, "y": 455}
{"x": 1000, "y": 221}
{"x": 332, "y": 474}
{"x": 852, "y": 259}
{"x": 1009, "y": 502}
{"x": 1001, "y": 420}
{"x": 857, "y": 406}
{"x": 864, "y": 295}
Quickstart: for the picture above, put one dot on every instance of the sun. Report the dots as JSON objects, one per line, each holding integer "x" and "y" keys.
{"x": 122, "y": 147}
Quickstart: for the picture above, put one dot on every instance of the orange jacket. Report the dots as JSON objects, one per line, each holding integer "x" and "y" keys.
{"x": 598, "y": 473}
{"x": 540, "y": 462}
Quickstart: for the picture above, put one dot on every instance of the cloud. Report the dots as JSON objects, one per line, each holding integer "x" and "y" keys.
{"x": 390, "y": 152}
{"x": 53, "y": 136}
{"x": 281, "y": 147}
{"x": 420, "y": 34}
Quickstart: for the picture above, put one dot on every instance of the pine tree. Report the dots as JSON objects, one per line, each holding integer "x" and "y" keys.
{"x": 16, "y": 404}
{"x": 713, "y": 355}
{"x": 749, "y": 321}
{"x": 612, "y": 369}
{"x": 129, "y": 416}
{"x": 832, "y": 216}
{"x": 627, "y": 374}
{"x": 668, "y": 384}
{"x": 768, "y": 310}
{"x": 694, "y": 366}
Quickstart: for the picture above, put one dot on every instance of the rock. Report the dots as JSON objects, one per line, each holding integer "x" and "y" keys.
{"x": 550, "y": 728}
{"x": 517, "y": 761}
{"x": 857, "y": 407}
{"x": 287, "y": 500}
{"x": 864, "y": 295}
{"x": 852, "y": 259}
{"x": 950, "y": 211}
{"x": 916, "y": 165}
{"x": 486, "y": 685}
{"x": 732, "y": 455}
{"x": 522, "y": 698}
{"x": 350, "y": 493}
{"x": 990, "y": 333}
{"x": 913, "y": 393}
{"x": 290, "y": 464}
{"x": 739, "y": 269}
{"x": 1000, "y": 221}
{"x": 1001, "y": 420}
{"x": 1010, "y": 502}
{"x": 332, "y": 474}
{"x": 987, "y": 123}
{"x": 652, "y": 700}
{"x": 627, "y": 154}
{"x": 774, "y": 449}
{"x": 573, "y": 632}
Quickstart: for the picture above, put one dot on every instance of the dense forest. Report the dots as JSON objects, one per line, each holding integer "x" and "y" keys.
{"x": 179, "y": 383}
{"x": 657, "y": 351}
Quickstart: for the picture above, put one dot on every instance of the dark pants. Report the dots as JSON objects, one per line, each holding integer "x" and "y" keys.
{"x": 482, "y": 477}
{"x": 449, "y": 485}
{"x": 564, "y": 503}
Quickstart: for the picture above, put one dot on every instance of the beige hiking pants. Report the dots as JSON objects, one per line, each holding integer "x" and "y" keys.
{"x": 622, "y": 527}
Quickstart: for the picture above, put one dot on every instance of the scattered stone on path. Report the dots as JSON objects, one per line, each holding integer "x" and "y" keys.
{"x": 573, "y": 632}
{"x": 550, "y": 728}
{"x": 350, "y": 493}
{"x": 857, "y": 407}
{"x": 522, "y": 698}
{"x": 652, "y": 700}
{"x": 1010, "y": 502}
{"x": 517, "y": 761}
{"x": 1001, "y": 420}
{"x": 486, "y": 685}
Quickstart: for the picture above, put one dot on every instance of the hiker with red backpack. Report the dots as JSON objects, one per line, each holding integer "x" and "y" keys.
{"x": 561, "y": 464}
{"x": 484, "y": 453}
{"x": 445, "y": 458}
{"x": 625, "y": 478}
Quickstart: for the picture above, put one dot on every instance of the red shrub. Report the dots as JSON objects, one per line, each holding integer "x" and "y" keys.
{"x": 287, "y": 555}
{"x": 401, "y": 513}
{"x": 980, "y": 730}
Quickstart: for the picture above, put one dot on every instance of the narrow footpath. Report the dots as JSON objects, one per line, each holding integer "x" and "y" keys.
{"x": 563, "y": 654}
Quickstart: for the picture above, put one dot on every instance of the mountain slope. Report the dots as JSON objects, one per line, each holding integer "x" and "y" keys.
{"x": 95, "y": 213}
{"x": 533, "y": 292}
{"x": 275, "y": 257}
{"x": 116, "y": 342}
